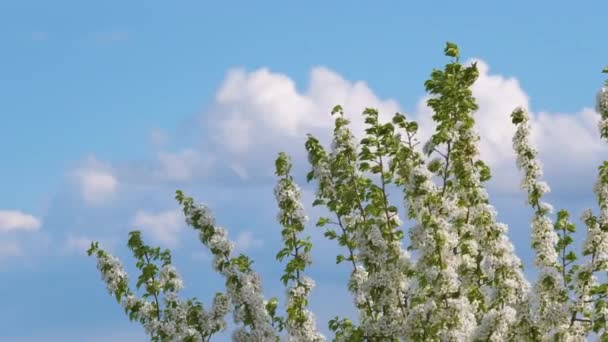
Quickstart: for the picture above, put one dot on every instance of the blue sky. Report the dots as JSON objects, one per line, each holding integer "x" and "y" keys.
{"x": 107, "y": 108}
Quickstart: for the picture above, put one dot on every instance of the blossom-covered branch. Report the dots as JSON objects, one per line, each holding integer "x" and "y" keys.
{"x": 301, "y": 326}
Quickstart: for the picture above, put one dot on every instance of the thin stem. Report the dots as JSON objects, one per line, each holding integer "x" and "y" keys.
{"x": 154, "y": 294}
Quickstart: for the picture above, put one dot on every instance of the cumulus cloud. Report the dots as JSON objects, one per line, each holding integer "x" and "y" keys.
{"x": 181, "y": 166}
{"x": 262, "y": 108}
{"x": 163, "y": 226}
{"x": 569, "y": 144}
{"x": 12, "y": 220}
{"x": 258, "y": 112}
{"x": 96, "y": 181}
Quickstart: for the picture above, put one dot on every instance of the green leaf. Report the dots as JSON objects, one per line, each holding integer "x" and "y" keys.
{"x": 318, "y": 201}
{"x": 517, "y": 116}
{"x": 337, "y": 109}
{"x": 322, "y": 221}
{"x": 94, "y": 247}
{"x": 271, "y": 306}
{"x": 435, "y": 165}
{"x": 571, "y": 256}
{"x": 398, "y": 235}
{"x": 282, "y": 164}
{"x": 330, "y": 234}
{"x": 309, "y": 176}
{"x": 451, "y": 50}
{"x": 412, "y": 127}
{"x": 282, "y": 254}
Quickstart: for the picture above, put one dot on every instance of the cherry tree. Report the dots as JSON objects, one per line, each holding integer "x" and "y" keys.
{"x": 458, "y": 278}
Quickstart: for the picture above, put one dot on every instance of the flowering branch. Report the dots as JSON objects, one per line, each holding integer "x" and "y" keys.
{"x": 300, "y": 321}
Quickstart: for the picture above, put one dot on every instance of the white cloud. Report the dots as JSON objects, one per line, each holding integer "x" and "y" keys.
{"x": 246, "y": 241}
{"x": 261, "y": 108}
{"x": 163, "y": 226}
{"x": 235, "y": 133}
{"x": 258, "y": 113}
{"x": 496, "y": 97}
{"x": 569, "y": 144}
{"x": 181, "y": 166}
{"x": 12, "y": 220}
{"x": 184, "y": 165}
{"x": 96, "y": 182}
